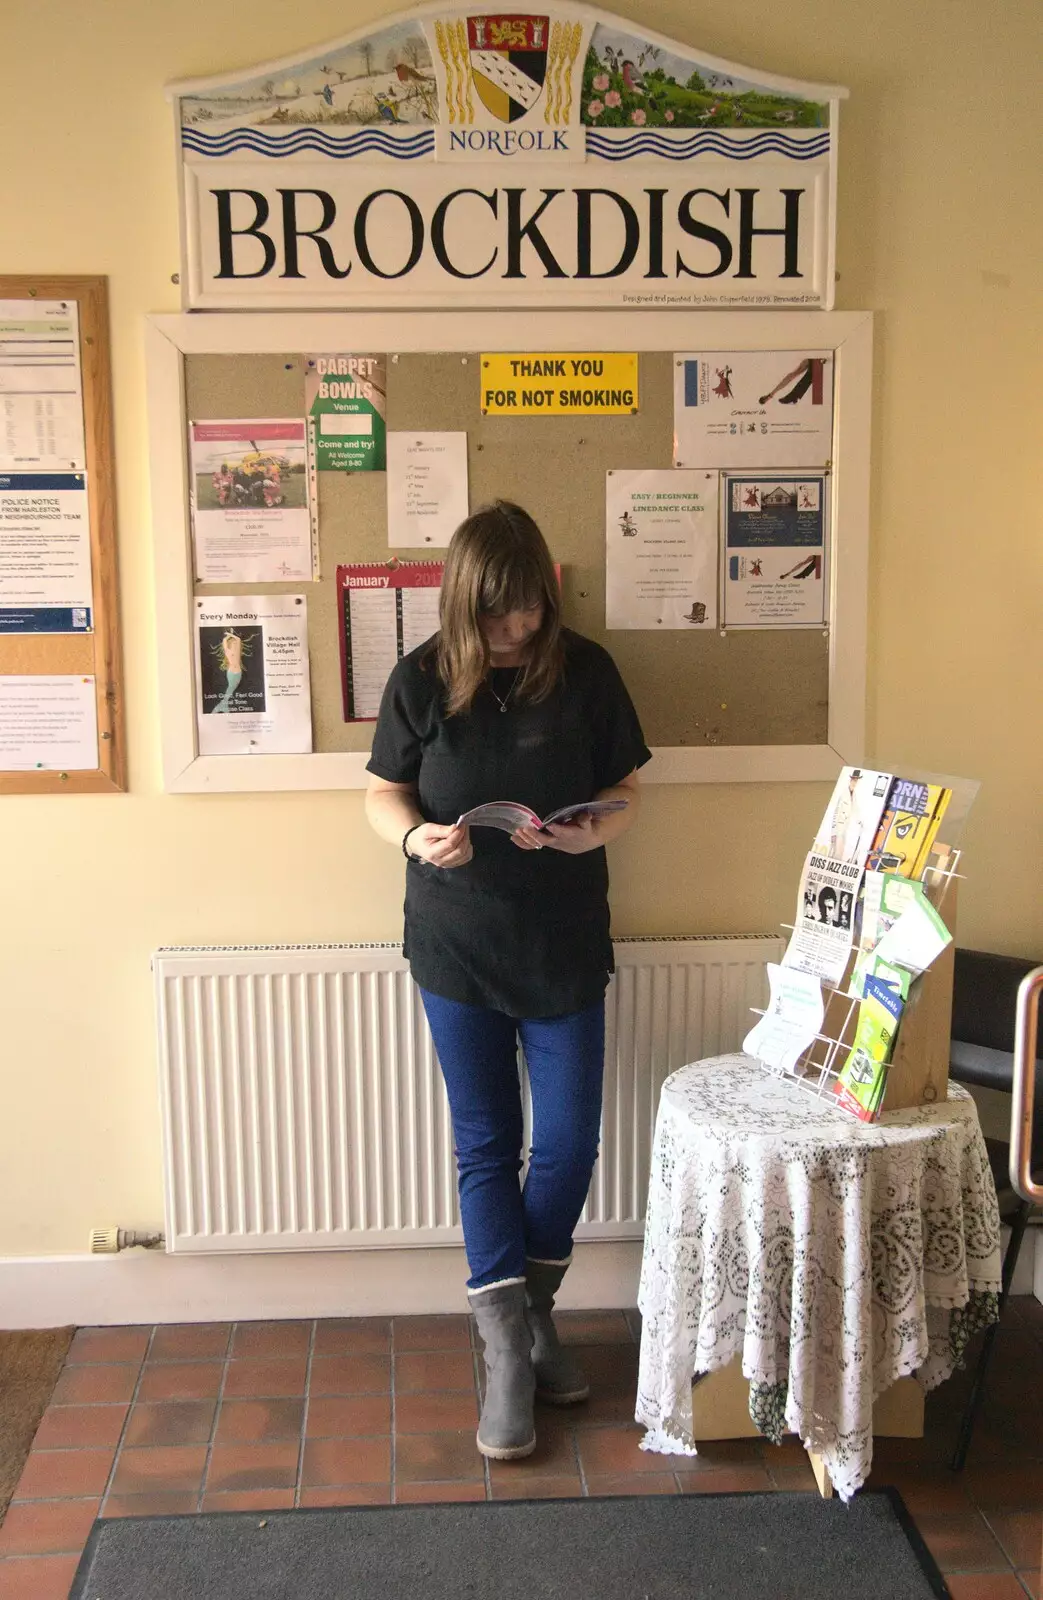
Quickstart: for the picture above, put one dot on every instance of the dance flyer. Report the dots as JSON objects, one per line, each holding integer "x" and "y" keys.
{"x": 776, "y": 547}
{"x": 753, "y": 408}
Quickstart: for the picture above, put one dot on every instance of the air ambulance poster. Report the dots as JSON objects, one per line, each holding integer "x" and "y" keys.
{"x": 346, "y": 398}
{"x": 253, "y": 686}
{"x": 753, "y": 408}
{"x": 661, "y": 543}
{"x": 251, "y": 502}
{"x": 775, "y": 551}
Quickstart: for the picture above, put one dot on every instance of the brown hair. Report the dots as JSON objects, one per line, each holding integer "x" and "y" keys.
{"x": 497, "y": 562}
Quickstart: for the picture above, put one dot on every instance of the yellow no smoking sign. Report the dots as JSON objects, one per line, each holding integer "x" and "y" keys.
{"x": 566, "y": 383}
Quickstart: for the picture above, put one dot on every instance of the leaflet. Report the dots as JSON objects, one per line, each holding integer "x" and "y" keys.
{"x": 45, "y": 553}
{"x": 848, "y": 829}
{"x": 908, "y": 826}
{"x": 792, "y": 1021}
{"x": 821, "y": 939}
{"x": 917, "y": 938}
{"x": 253, "y": 691}
{"x": 862, "y": 1079}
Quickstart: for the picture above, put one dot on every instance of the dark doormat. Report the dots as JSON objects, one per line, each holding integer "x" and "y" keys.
{"x": 703, "y": 1546}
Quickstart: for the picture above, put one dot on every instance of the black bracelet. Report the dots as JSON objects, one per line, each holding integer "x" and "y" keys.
{"x": 405, "y": 840}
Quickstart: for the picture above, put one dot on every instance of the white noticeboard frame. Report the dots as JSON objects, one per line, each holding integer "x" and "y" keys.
{"x": 170, "y": 338}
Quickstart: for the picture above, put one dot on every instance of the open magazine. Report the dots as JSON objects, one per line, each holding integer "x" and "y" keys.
{"x": 510, "y": 815}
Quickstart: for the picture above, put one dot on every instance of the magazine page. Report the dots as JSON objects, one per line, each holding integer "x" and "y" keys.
{"x": 508, "y": 815}
{"x": 511, "y": 814}
{"x": 590, "y": 808}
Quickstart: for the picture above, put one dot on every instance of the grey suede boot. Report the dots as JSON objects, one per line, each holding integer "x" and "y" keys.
{"x": 506, "y": 1430}
{"x": 559, "y": 1376}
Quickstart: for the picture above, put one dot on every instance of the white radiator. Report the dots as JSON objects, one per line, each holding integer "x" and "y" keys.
{"x": 303, "y": 1107}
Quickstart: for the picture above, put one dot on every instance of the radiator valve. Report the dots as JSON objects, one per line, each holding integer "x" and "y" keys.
{"x": 109, "y": 1241}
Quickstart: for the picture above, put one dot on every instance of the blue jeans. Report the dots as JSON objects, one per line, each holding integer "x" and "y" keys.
{"x": 477, "y": 1050}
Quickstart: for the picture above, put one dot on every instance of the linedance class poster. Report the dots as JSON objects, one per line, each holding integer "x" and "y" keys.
{"x": 346, "y": 398}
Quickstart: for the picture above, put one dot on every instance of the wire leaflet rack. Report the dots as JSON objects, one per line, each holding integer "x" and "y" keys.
{"x": 818, "y": 1068}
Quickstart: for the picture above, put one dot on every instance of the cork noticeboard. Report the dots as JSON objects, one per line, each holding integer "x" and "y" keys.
{"x": 736, "y": 688}
{"x": 94, "y": 654}
{"x": 722, "y": 705}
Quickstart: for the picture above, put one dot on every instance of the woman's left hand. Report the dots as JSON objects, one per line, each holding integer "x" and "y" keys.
{"x": 574, "y": 838}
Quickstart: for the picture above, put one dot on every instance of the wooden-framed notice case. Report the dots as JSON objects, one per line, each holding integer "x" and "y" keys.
{"x": 61, "y": 706}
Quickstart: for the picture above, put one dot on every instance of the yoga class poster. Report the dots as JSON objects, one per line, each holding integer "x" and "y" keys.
{"x": 753, "y": 408}
{"x": 253, "y": 692}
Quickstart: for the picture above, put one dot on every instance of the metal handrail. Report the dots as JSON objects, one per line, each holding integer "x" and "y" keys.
{"x": 1025, "y": 1087}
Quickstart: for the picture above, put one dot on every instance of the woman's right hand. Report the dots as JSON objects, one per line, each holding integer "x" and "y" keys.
{"x": 442, "y": 845}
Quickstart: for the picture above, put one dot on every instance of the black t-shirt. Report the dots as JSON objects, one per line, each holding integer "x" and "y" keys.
{"x": 525, "y": 932}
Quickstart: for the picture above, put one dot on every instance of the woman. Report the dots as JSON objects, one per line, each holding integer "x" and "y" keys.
{"x": 508, "y": 936}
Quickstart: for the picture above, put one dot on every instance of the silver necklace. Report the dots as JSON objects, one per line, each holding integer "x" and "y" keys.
{"x": 502, "y": 702}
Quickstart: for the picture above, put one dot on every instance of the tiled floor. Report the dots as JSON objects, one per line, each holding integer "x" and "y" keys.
{"x": 256, "y": 1416}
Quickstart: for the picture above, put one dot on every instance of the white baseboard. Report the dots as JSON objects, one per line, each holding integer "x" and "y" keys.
{"x": 149, "y": 1286}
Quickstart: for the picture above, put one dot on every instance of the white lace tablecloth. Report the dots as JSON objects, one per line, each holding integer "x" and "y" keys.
{"x": 833, "y": 1256}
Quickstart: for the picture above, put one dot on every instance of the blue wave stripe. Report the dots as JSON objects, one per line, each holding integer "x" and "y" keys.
{"x": 260, "y": 137}
{"x": 701, "y": 135}
{"x": 363, "y": 142}
{"x": 732, "y": 150}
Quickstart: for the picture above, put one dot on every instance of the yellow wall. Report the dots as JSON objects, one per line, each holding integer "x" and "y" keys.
{"x": 939, "y": 233}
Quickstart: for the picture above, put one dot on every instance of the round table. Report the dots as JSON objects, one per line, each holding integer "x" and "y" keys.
{"x": 831, "y": 1256}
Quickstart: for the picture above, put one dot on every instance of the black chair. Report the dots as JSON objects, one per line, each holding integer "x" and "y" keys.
{"x": 981, "y": 1053}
